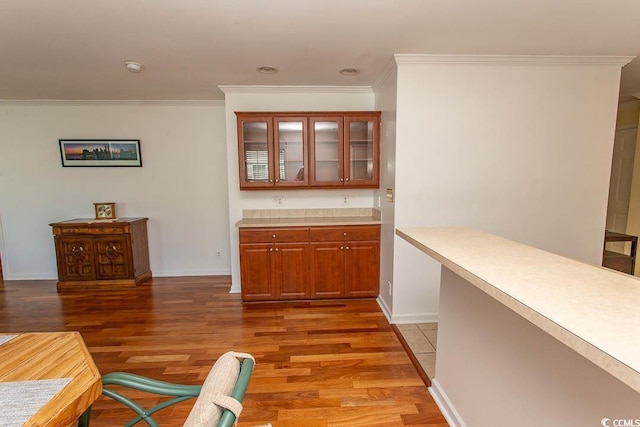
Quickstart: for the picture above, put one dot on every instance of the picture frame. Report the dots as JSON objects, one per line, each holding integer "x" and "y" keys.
{"x": 100, "y": 152}
{"x": 105, "y": 210}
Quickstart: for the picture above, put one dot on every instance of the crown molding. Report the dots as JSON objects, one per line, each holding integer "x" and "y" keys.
{"x": 620, "y": 61}
{"x": 293, "y": 89}
{"x": 109, "y": 102}
{"x": 385, "y": 73}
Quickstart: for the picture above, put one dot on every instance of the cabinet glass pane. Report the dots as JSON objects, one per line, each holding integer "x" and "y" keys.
{"x": 256, "y": 156}
{"x": 327, "y": 154}
{"x": 361, "y": 150}
{"x": 291, "y": 155}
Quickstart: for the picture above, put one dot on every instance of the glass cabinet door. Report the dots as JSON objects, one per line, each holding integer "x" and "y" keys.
{"x": 361, "y": 150}
{"x": 290, "y": 152}
{"x": 326, "y": 151}
{"x": 255, "y": 152}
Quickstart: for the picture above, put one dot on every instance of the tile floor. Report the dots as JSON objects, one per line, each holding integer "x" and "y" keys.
{"x": 422, "y": 339}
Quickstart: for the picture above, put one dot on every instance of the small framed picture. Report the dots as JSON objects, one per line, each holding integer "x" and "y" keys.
{"x": 105, "y": 210}
{"x": 100, "y": 152}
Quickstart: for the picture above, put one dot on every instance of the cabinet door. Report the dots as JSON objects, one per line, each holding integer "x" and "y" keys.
{"x": 113, "y": 260}
{"x": 361, "y": 156}
{"x": 255, "y": 151}
{"x": 292, "y": 270}
{"x": 75, "y": 258}
{"x": 327, "y": 270}
{"x": 256, "y": 272}
{"x": 327, "y": 151}
{"x": 362, "y": 261}
{"x": 290, "y": 152}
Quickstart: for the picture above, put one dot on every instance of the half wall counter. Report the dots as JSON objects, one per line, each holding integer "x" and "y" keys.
{"x": 529, "y": 338}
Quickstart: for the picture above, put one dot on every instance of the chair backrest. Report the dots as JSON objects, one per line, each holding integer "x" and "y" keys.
{"x": 224, "y": 388}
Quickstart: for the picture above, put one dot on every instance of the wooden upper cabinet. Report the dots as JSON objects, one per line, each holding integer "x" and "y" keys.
{"x": 308, "y": 150}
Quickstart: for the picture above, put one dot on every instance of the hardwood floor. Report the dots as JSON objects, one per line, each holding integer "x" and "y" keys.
{"x": 323, "y": 363}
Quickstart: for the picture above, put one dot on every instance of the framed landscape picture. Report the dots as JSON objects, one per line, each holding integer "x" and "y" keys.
{"x": 100, "y": 152}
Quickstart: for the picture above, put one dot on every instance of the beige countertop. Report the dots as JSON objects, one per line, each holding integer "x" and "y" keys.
{"x": 593, "y": 310}
{"x": 306, "y": 221}
{"x": 308, "y": 217}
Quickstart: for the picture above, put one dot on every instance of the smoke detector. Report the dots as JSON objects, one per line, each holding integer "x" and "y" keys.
{"x": 134, "y": 67}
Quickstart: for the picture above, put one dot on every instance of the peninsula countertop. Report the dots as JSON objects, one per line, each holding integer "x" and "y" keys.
{"x": 591, "y": 309}
{"x": 308, "y": 217}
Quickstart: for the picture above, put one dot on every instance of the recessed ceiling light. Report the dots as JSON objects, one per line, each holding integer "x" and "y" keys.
{"x": 267, "y": 70}
{"x": 349, "y": 71}
{"x": 134, "y": 67}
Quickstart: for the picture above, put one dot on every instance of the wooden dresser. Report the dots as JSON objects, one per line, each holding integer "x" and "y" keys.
{"x": 101, "y": 254}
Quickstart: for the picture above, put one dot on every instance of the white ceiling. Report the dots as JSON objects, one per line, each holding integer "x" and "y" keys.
{"x": 75, "y": 49}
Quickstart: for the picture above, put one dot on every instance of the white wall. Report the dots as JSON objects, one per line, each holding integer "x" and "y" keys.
{"x": 519, "y": 149}
{"x": 289, "y": 98}
{"x": 385, "y": 91}
{"x": 181, "y": 188}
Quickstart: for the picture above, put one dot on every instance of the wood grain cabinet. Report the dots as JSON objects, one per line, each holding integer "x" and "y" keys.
{"x": 293, "y": 150}
{"x": 309, "y": 262}
{"x": 345, "y": 261}
{"x": 93, "y": 254}
{"x": 274, "y": 263}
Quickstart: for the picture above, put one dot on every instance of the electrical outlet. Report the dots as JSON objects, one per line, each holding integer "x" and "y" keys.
{"x": 279, "y": 200}
{"x": 390, "y": 292}
{"x": 345, "y": 200}
{"x": 219, "y": 254}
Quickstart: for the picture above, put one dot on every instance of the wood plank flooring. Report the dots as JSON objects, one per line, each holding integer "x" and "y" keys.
{"x": 318, "y": 364}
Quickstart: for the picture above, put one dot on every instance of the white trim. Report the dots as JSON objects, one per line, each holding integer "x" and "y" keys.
{"x": 414, "y": 318}
{"x": 446, "y": 407}
{"x": 385, "y": 309}
{"x": 107, "y": 102}
{"x": 177, "y": 273}
{"x": 235, "y": 290}
{"x": 293, "y": 89}
{"x": 30, "y": 276}
{"x": 513, "y": 59}
{"x": 384, "y": 75}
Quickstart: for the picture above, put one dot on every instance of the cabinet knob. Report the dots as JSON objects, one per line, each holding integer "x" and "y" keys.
{"x": 347, "y": 179}
{"x": 347, "y": 247}
{"x": 277, "y": 249}
{"x": 274, "y": 236}
{"x": 270, "y": 180}
{"x": 344, "y": 234}
{"x": 341, "y": 180}
{"x": 277, "y": 180}
{"x": 341, "y": 247}
{"x": 270, "y": 249}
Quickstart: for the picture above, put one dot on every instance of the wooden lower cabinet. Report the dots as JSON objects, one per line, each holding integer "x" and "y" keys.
{"x": 94, "y": 254}
{"x": 309, "y": 262}
{"x": 274, "y": 263}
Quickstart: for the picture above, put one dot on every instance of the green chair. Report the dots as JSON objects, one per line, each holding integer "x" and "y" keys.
{"x": 218, "y": 400}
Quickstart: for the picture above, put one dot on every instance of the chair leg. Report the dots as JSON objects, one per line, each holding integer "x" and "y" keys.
{"x": 84, "y": 419}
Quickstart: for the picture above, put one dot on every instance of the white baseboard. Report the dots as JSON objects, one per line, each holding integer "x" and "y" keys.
{"x": 177, "y": 273}
{"x": 446, "y": 406}
{"x": 36, "y": 276}
{"x": 400, "y": 319}
{"x": 385, "y": 309}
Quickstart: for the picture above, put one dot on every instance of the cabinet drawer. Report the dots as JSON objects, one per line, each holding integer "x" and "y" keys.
{"x": 274, "y": 235}
{"x": 59, "y": 231}
{"x": 355, "y": 232}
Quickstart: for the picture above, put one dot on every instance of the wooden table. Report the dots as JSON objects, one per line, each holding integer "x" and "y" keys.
{"x": 45, "y": 356}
